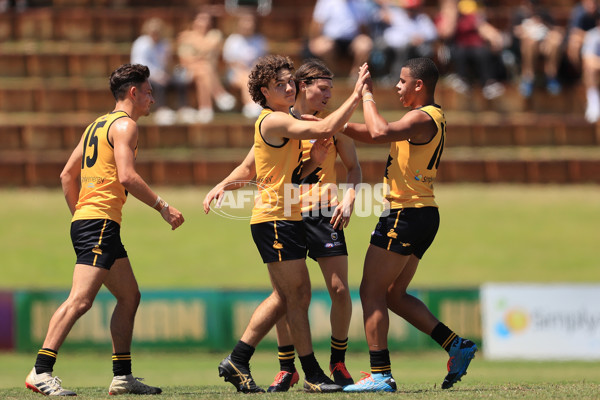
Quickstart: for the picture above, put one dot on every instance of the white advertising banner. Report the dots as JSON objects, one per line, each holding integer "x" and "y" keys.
{"x": 541, "y": 321}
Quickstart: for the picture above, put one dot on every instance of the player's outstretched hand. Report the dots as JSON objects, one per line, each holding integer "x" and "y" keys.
{"x": 172, "y": 216}
{"x": 215, "y": 194}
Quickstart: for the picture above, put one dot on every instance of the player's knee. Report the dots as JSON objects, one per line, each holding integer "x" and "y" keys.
{"x": 78, "y": 307}
{"x": 300, "y": 298}
{"x": 135, "y": 298}
{"x": 130, "y": 300}
{"x": 339, "y": 293}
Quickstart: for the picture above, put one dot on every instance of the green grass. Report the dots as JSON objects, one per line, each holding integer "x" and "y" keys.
{"x": 488, "y": 233}
{"x": 194, "y": 376}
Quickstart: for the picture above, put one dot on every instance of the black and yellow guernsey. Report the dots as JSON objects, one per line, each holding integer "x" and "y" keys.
{"x": 412, "y": 167}
{"x": 101, "y": 196}
{"x": 278, "y": 171}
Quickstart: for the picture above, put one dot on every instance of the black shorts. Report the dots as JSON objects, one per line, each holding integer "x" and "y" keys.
{"x": 321, "y": 239}
{"x": 97, "y": 242}
{"x": 279, "y": 240}
{"x": 342, "y": 47}
{"x": 407, "y": 230}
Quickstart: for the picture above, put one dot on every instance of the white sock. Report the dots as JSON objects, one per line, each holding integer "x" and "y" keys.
{"x": 593, "y": 98}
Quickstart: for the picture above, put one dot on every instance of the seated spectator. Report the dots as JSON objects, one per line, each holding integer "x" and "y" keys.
{"x": 538, "y": 35}
{"x": 590, "y": 61}
{"x": 583, "y": 18}
{"x": 199, "y": 50}
{"x": 18, "y": 5}
{"x": 339, "y": 29}
{"x": 409, "y": 33}
{"x": 240, "y": 52}
{"x": 153, "y": 49}
{"x": 475, "y": 47}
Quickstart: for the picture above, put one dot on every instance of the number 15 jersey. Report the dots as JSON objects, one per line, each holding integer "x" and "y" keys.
{"x": 101, "y": 195}
{"x": 412, "y": 167}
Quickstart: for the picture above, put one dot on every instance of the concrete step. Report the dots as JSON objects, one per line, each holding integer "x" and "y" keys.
{"x": 566, "y": 165}
{"x": 90, "y": 93}
{"x": 31, "y": 131}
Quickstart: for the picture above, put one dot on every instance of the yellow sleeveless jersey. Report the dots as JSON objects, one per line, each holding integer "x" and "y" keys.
{"x": 278, "y": 171}
{"x": 412, "y": 167}
{"x": 319, "y": 189}
{"x": 101, "y": 195}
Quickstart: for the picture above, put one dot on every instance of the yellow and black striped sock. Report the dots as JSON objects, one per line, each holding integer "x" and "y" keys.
{"x": 443, "y": 336}
{"x": 121, "y": 364}
{"x": 338, "y": 350}
{"x": 380, "y": 361}
{"x": 286, "y": 357}
{"x": 45, "y": 360}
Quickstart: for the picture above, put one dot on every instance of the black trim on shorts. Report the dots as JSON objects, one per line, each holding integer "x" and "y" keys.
{"x": 279, "y": 240}
{"x": 97, "y": 242}
{"x": 407, "y": 231}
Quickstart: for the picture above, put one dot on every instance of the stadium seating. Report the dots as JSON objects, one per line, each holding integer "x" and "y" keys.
{"x": 55, "y": 57}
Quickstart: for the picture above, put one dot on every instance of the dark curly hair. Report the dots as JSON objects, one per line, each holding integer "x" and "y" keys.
{"x": 126, "y": 76}
{"x": 311, "y": 70}
{"x": 264, "y": 71}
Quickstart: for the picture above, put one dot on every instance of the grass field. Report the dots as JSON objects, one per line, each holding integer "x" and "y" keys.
{"x": 194, "y": 376}
{"x": 488, "y": 233}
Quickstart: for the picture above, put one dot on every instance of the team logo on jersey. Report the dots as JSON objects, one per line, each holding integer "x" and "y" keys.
{"x": 97, "y": 250}
{"x": 392, "y": 234}
{"x": 334, "y": 236}
{"x": 277, "y": 245}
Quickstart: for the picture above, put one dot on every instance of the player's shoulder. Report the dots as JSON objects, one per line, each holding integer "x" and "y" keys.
{"x": 123, "y": 125}
{"x": 275, "y": 118}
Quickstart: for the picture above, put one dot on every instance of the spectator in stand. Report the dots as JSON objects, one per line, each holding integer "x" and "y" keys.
{"x": 339, "y": 29}
{"x": 409, "y": 33}
{"x": 583, "y": 18}
{"x": 153, "y": 49}
{"x": 240, "y": 52}
{"x": 199, "y": 50}
{"x": 475, "y": 47}
{"x": 537, "y": 35}
{"x": 590, "y": 57}
{"x": 18, "y": 5}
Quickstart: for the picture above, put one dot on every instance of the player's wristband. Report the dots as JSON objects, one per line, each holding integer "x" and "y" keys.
{"x": 160, "y": 204}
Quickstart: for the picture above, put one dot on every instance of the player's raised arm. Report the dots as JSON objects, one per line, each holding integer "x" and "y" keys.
{"x": 282, "y": 125}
